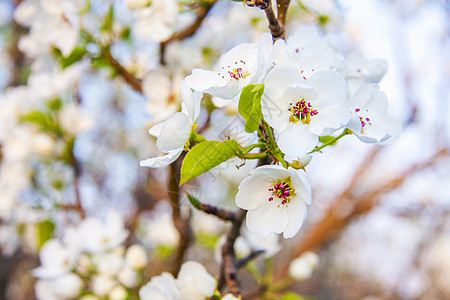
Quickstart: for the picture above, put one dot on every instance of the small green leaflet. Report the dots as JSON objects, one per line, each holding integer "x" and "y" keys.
{"x": 45, "y": 231}
{"x": 205, "y": 156}
{"x": 250, "y": 106}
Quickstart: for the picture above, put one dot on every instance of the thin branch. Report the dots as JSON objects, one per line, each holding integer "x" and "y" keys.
{"x": 282, "y": 7}
{"x": 181, "y": 222}
{"x": 229, "y": 268}
{"x": 188, "y": 31}
{"x": 212, "y": 210}
{"x": 132, "y": 80}
{"x": 243, "y": 261}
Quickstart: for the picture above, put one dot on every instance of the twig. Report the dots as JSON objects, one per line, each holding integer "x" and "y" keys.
{"x": 188, "y": 31}
{"x": 181, "y": 223}
{"x": 212, "y": 210}
{"x": 243, "y": 261}
{"x": 132, "y": 80}
{"x": 229, "y": 267}
{"x": 276, "y": 25}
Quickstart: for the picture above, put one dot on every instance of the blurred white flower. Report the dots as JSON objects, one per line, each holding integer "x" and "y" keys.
{"x": 67, "y": 286}
{"x": 303, "y": 266}
{"x": 136, "y": 257}
{"x": 75, "y": 120}
{"x": 128, "y": 277}
{"x": 118, "y": 293}
{"x": 195, "y": 282}
{"x": 102, "y": 285}
{"x": 276, "y": 200}
{"x": 96, "y": 236}
{"x": 161, "y": 287}
{"x": 230, "y": 297}
{"x": 108, "y": 264}
{"x": 56, "y": 260}
{"x": 136, "y": 4}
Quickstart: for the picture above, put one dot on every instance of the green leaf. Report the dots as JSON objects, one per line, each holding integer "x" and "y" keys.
{"x": 39, "y": 118}
{"x": 109, "y": 20}
{"x": 250, "y": 106}
{"x": 45, "y": 231}
{"x": 326, "y": 138}
{"x": 291, "y": 296}
{"x": 205, "y": 156}
{"x": 55, "y": 104}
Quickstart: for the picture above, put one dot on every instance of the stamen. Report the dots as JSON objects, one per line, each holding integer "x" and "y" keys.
{"x": 302, "y": 111}
{"x": 282, "y": 190}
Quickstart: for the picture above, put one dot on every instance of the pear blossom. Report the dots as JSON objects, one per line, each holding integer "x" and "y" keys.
{"x": 369, "y": 121}
{"x": 242, "y": 65}
{"x": 161, "y": 287}
{"x": 92, "y": 235}
{"x": 56, "y": 260}
{"x": 136, "y": 257}
{"x": 195, "y": 282}
{"x": 303, "y": 266}
{"x": 173, "y": 133}
{"x": 276, "y": 200}
{"x": 306, "y": 109}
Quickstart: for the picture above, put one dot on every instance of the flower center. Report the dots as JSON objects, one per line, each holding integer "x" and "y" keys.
{"x": 282, "y": 189}
{"x": 365, "y": 120}
{"x": 302, "y": 111}
{"x": 235, "y": 71}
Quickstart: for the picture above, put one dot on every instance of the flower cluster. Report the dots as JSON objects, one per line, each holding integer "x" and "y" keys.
{"x": 307, "y": 90}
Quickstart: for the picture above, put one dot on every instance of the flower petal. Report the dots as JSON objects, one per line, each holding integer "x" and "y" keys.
{"x": 296, "y": 141}
{"x": 174, "y": 132}
{"x": 161, "y": 161}
{"x": 267, "y": 218}
{"x": 253, "y": 192}
{"x": 297, "y": 214}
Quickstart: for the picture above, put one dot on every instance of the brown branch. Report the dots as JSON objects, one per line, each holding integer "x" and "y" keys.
{"x": 243, "y": 261}
{"x": 335, "y": 221}
{"x": 282, "y": 7}
{"x": 189, "y": 31}
{"x": 276, "y": 25}
{"x": 229, "y": 266}
{"x": 132, "y": 80}
{"x": 181, "y": 222}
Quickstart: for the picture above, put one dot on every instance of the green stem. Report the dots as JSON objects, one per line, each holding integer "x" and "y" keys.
{"x": 344, "y": 133}
{"x": 256, "y": 155}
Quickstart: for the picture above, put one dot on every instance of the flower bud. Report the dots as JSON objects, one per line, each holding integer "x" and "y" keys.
{"x": 67, "y": 286}
{"x": 102, "y": 285}
{"x": 302, "y": 267}
{"x": 136, "y": 257}
{"x": 195, "y": 282}
{"x": 118, "y": 293}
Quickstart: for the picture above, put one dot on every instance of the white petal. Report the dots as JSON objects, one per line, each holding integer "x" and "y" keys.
{"x": 191, "y": 102}
{"x": 273, "y": 172}
{"x": 267, "y": 219}
{"x": 174, "y": 132}
{"x": 274, "y": 109}
{"x": 297, "y": 214}
{"x": 155, "y": 130}
{"x": 296, "y": 141}
{"x": 394, "y": 129}
{"x": 369, "y": 97}
{"x": 254, "y": 192}
{"x": 161, "y": 161}
{"x": 301, "y": 185}
{"x": 330, "y": 86}
{"x": 329, "y": 120}
{"x": 200, "y": 80}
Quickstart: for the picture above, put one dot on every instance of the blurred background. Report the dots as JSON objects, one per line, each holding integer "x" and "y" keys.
{"x": 79, "y": 95}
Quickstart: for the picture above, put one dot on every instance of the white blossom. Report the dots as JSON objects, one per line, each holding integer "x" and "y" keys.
{"x": 276, "y": 200}
{"x": 194, "y": 282}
